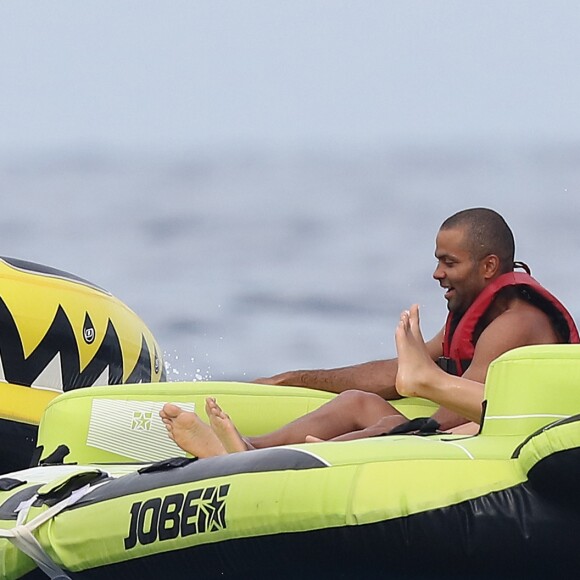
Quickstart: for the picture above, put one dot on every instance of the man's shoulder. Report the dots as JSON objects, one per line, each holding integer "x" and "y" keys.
{"x": 524, "y": 320}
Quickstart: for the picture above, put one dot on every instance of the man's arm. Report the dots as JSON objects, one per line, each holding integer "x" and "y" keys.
{"x": 373, "y": 377}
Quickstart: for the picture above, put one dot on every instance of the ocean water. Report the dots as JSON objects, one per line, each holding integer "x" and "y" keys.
{"x": 244, "y": 264}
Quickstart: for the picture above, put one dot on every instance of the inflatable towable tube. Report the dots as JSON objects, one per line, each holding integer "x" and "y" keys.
{"x": 59, "y": 332}
{"x": 501, "y": 504}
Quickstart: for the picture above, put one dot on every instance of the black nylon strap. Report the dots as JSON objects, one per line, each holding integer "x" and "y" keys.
{"x": 418, "y": 426}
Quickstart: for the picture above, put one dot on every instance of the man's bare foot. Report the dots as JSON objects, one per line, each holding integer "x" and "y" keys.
{"x": 224, "y": 428}
{"x": 190, "y": 432}
{"x": 416, "y": 369}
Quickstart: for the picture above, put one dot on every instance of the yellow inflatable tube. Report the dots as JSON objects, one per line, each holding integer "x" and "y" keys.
{"x": 59, "y": 332}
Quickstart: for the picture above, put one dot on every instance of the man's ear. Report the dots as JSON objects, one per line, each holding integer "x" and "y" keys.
{"x": 490, "y": 266}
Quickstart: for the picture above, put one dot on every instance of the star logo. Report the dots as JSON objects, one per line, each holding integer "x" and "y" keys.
{"x": 141, "y": 420}
{"x": 214, "y": 507}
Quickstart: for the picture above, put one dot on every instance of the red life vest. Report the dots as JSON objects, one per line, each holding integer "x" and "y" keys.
{"x": 459, "y": 342}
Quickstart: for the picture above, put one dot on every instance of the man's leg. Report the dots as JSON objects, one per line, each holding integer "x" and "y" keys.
{"x": 233, "y": 442}
{"x": 381, "y": 427}
{"x": 348, "y": 412}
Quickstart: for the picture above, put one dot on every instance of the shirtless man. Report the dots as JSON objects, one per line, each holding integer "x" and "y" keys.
{"x": 490, "y": 311}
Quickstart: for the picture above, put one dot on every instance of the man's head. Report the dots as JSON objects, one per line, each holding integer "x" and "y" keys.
{"x": 473, "y": 247}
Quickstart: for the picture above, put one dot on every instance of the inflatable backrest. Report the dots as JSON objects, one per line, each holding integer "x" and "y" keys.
{"x": 122, "y": 424}
{"x": 532, "y": 386}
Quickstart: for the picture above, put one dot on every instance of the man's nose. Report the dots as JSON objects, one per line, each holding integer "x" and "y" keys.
{"x": 438, "y": 274}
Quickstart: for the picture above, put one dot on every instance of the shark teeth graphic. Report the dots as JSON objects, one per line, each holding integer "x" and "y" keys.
{"x": 51, "y": 376}
{"x": 54, "y": 363}
{"x": 103, "y": 378}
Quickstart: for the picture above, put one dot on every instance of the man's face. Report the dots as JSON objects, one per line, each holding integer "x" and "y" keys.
{"x": 457, "y": 270}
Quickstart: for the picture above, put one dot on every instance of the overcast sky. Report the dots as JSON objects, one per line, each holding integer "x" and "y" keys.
{"x": 185, "y": 74}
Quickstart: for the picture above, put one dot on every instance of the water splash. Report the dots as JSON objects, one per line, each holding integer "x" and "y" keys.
{"x": 191, "y": 370}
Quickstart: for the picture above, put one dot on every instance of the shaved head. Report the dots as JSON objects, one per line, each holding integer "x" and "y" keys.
{"x": 486, "y": 232}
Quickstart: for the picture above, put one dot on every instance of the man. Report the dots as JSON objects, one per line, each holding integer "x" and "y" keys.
{"x": 492, "y": 309}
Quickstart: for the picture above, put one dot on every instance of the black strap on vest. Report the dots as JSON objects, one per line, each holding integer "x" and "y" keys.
{"x": 447, "y": 364}
{"x": 450, "y": 366}
{"x": 524, "y": 267}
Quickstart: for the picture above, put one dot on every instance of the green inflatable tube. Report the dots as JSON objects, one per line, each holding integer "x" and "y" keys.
{"x": 501, "y": 503}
